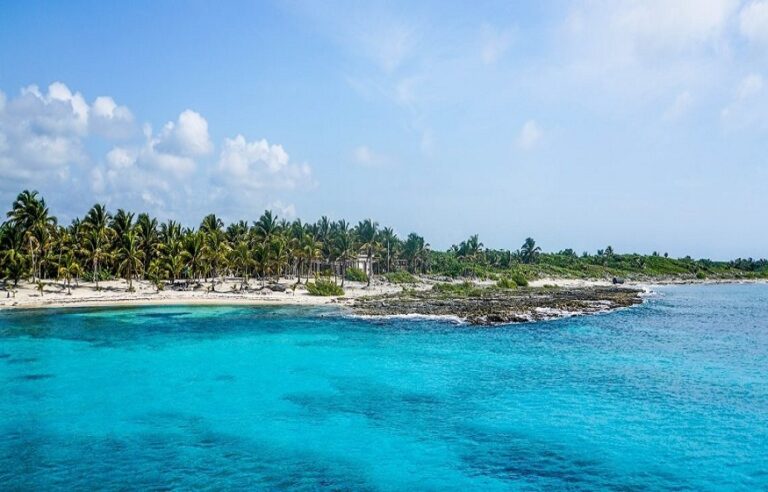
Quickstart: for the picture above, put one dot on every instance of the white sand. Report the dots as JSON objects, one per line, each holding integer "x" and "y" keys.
{"x": 115, "y": 293}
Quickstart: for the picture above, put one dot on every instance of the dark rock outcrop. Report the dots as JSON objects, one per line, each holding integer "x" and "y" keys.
{"x": 498, "y": 306}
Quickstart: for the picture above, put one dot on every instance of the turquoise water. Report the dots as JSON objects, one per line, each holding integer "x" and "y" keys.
{"x": 670, "y": 395}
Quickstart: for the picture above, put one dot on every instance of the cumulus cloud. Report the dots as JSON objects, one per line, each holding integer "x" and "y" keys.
{"x": 46, "y": 144}
{"x": 259, "y": 164}
{"x": 111, "y": 120}
{"x": 41, "y": 134}
{"x": 530, "y": 135}
{"x": 187, "y": 136}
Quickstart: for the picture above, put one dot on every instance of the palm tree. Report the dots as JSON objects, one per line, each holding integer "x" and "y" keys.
{"x": 195, "y": 248}
{"x": 345, "y": 247}
{"x": 311, "y": 250}
{"x": 211, "y": 223}
{"x": 149, "y": 238}
{"x": 171, "y": 255}
{"x": 388, "y": 239}
{"x": 98, "y": 234}
{"x": 216, "y": 252}
{"x": 130, "y": 257}
{"x": 31, "y": 214}
{"x": 367, "y": 242}
{"x": 243, "y": 260}
{"x": 529, "y": 252}
{"x": 278, "y": 255}
{"x": 121, "y": 223}
{"x": 264, "y": 229}
{"x": 415, "y": 251}
{"x": 169, "y": 231}
{"x": 12, "y": 258}
{"x": 470, "y": 249}
{"x": 68, "y": 268}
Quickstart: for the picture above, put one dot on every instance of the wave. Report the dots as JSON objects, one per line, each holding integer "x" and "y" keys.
{"x": 450, "y": 318}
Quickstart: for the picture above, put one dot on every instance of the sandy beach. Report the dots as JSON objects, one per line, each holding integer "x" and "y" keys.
{"x": 115, "y": 292}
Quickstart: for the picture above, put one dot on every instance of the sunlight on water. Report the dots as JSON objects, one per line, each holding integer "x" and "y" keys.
{"x": 669, "y": 395}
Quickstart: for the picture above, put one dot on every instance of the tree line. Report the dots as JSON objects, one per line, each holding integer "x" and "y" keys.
{"x": 103, "y": 245}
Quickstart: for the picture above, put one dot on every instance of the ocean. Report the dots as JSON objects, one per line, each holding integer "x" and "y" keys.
{"x": 668, "y": 395}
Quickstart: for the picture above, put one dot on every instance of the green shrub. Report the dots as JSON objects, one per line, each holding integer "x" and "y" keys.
{"x": 519, "y": 279}
{"x": 324, "y": 287}
{"x": 356, "y": 275}
{"x": 701, "y": 275}
{"x": 506, "y": 283}
{"x": 401, "y": 277}
{"x": 88, "y": 276}
{"x": 464, "y": 289}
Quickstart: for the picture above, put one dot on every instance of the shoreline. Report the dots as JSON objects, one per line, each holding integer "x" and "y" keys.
{"x": 85, "y": 295}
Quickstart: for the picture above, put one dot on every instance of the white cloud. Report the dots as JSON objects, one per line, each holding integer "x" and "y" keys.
{"x": 120, "y": 158}
{"x": 43, "y": 134}
{"x": 679, "y": 107}
{"x": 257, "y": 165}
{"x": 530, "y": 135}
{"x": 285, "y": 210}
{"x": 46, "y": 135}
{"x": 634, "y": 52}
{"x": 109, "y": 119}
{"x": 187, "y": 136}
{"x": 668, "y": 25}
{"x": 753, "y": 21}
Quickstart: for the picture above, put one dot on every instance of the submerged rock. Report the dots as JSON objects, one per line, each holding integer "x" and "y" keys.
{"x": 492, "y": 306}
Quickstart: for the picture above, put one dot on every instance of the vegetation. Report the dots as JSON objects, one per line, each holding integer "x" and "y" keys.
{"x": 356, "y": 275}
{"x": 506, "y": 283}
{"x": 324, "y": 287}
{"x": 519, "y": 279}
{"x": 400, "y": 277}
{"x": 103, "y": 245}
{"x": 463, "y": 289}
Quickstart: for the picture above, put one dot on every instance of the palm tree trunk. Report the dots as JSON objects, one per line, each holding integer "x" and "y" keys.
{"x": 370, "y": 267}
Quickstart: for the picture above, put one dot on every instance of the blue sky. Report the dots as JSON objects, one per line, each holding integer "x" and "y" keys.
{"x": 640, "y": 124}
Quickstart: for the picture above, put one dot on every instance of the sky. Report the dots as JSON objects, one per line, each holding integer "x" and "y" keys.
{"x": 637, "y": 124}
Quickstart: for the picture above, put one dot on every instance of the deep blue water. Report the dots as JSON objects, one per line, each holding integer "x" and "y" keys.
{"x": 670, "y": 395}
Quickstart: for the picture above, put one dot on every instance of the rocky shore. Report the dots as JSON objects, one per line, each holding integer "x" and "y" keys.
{"x": 489, "y": 306}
